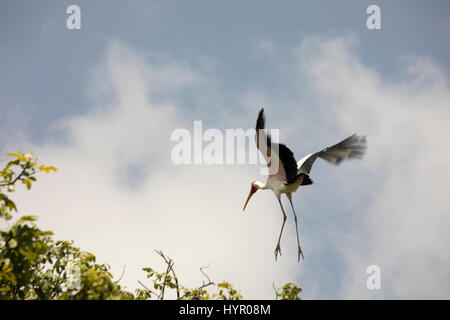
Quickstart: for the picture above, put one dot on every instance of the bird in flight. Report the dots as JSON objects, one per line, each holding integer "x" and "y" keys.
{"x": 292, "y": 174}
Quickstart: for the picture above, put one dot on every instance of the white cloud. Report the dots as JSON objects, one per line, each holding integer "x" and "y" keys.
{"x": 407, "y": 122}
{"x": 193, "y": 213}
{"x": 118, "y": 195}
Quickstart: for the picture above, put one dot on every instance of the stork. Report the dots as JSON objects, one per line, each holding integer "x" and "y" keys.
{"x": 291, "y": 174}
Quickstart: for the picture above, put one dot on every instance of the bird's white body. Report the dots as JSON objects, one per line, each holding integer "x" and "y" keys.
{"x": 278, "y": 186}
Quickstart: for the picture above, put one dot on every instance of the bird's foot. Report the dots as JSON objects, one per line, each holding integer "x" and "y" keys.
{"x": 300, "y": 254}
{"x": 277, "y": 250}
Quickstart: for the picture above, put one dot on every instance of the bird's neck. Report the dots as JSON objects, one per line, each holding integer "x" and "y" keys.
{"x": 261, "y": 185}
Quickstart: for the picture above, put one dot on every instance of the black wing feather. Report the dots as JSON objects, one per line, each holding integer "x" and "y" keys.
{"x": 354, "y": 147}
{"x": 261, "y": 121}
{"x": 284, "y": 153}
{"x": 261, "y": 124}
{"x": 289, "y": 163}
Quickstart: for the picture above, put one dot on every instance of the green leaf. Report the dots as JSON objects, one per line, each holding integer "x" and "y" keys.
{"x": 27, "y": 218}
{"x": 12, "y": 243}
{"x": 13, "y": 155}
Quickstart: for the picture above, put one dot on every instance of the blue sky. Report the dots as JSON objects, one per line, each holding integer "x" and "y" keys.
{"x": 35, "y": 40}
{"x": 100, "y": 103}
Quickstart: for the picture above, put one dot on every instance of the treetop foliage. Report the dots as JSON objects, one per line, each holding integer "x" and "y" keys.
{"x": 33, "y": 265}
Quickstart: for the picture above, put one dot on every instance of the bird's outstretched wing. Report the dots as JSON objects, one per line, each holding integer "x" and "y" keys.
{"x": 263, "y": 141}
{"x": 354, "y": 147}
{"x": 287, "y": 171}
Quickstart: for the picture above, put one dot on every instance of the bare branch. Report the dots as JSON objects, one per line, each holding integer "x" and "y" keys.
{"x": 169, "y": 267}
{"x": 176, "y": 281}
{"x": 145, "y": 287}
{"x": 276, "y": 291}
{"x": 199, "y": 288}
{"x": 170, "y": 262}
{"x": 121, "y": 276}
{"x": 201, "y": 270}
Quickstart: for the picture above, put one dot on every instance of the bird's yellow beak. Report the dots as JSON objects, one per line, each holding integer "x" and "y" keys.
{"x": 252, "y": 192}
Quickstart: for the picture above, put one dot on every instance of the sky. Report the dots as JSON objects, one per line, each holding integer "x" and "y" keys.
{"x": 102, "y": 102}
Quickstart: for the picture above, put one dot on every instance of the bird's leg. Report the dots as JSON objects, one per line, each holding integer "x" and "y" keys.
{"x": 300, "y": 253}
{"x": 278, "y": 249}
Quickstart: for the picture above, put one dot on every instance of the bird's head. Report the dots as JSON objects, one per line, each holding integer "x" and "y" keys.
{"x": 253, "y": 188}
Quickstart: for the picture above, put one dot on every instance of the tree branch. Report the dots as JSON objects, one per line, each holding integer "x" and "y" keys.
{"x": 170, "y": 263}
{"x": 145, "y": 287}
{"x": 17, "y": 178}
{"x": 121, "y": 276}
{"x": 201, "y": 270}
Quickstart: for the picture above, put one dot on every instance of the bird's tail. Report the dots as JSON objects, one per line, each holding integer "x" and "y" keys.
{"x": 354, "y": 147}
{"x": 306, "y": 180}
